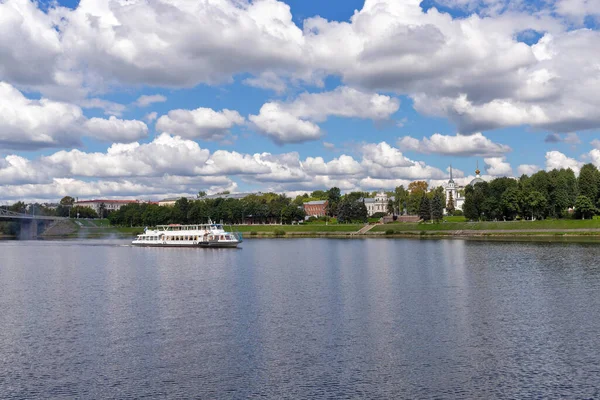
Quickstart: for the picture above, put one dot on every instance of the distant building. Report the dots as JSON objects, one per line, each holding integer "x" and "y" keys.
{"x": 317, "y": 208}
{"x": 453, "y": 190}
{"x": 109, "y": 205}
{"x": 377, "y": 204}
{"x": 170, "y": 202}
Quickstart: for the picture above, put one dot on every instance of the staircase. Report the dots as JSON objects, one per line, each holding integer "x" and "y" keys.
{"x": 366, "y": 229}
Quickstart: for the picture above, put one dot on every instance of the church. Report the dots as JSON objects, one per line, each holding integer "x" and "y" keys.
{"x": 456, "y": 193}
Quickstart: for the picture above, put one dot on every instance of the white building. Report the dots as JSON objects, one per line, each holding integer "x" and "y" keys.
{"x": 453, "y": 190}
{"x": 377, "y": 204}
{"x": 109, "y": 205}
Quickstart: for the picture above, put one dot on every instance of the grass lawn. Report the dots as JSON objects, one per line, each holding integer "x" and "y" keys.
{"x": 511, "y": 225}
{"x": 312, "y": 228}
{"x": 295, "y": 228}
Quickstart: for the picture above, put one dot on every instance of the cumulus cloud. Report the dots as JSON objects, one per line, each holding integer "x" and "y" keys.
{"x": 294, "y": 122}
{"x": 114, "y": 129}
{"x": 33, "y": 124}
{"x": 267, "y": 80}
{"x": 283, "y": 127}
{"x": 556, "y": 159}
{"x": 459, "y": 145}
{"x": 182, "y": 166}
{"x": 527, "y": 169}
{"x": 27, "y": 124}
{"x": 201, "y": 123}
{"x": 473, "y": 70}
{"x": 147, "y": 100}
{"x": 497, "y": 166}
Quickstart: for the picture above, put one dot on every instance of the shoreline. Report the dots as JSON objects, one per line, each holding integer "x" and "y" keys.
{"x": 513, "y": 235}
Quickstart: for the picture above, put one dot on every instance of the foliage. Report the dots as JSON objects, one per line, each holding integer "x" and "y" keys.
{"x": 588, "y": 182}
{"x": 378, "y": 215}
{"x": 437, "y": 206}
{"x": 425, "y": 208}
{"x": 333, "y": 199}
{"x": 450, "y": 206}
{"x": 584, "y": 208}
{"x": 389, "y": 232}
{"x": 83, "y": 212}
{"x": 535, "y": 203}
{"x": 279, "y": 232}
{"x": 351, "y": 209}
{"x": 67, "y": 201}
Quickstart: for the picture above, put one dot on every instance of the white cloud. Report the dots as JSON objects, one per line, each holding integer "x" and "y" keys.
{"x": 267, "y": 80}
{"x": 150, "y": 117}
{"x": 556, "y": 159}
{"x": 201, "y": 123}
{"x": 383, "y": 161}
{"x": 33, "y": 124}
{"x": 182, "y": 166}
{"x": 147, "y": 100}
{"x": 527, "y": 169}
{"x": 283, "y": 127}
{"x": 497, "y": 166}
{"x": 27, "y": 124}
{"x": 294, "y": 122}
{"x": 149, "y": 42}
{"x": 577, "y": 10}
{"x": 109, "y": 107}
{"x": 459, "y": 145}
{"x": 29, "y": 45}
{"x": 116, "y": 130}
{"x": 343, "y": 165}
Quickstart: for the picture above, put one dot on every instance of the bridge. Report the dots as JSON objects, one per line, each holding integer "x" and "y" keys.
{"x": 30, "y": 223}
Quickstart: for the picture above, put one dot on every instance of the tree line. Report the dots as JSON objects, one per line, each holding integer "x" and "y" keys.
{"x": 545, "y": 194}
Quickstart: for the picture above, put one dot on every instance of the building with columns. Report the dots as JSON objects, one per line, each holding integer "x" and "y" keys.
{"x": 377, "y": 204}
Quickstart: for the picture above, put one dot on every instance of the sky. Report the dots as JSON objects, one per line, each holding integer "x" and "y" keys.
{"x": 165, "y": 98}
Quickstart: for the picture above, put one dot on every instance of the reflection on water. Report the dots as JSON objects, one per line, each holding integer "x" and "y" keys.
{"x": 301, "y": 318}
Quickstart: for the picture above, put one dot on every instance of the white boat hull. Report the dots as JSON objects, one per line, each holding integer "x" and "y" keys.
{"x": 194, "y": 236}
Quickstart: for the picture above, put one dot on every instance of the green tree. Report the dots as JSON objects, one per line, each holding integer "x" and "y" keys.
{"x": 351, "y": 209}
{"x": 400, "y": 200}
{"x": 201, "y": 194}
{"x": 180, "y": 211}
{"x": 509, "y": 202}
{"x": 391, "y": 207}
{"x": 535, "y": 203}
{"x": 588, "y": 182}
{"x": 437, "y": 206}
{"x": 450, "y": 206}
{"x": 67, "y": 201}
{"x": 333, "y": 198}
{"x": 584, "y": 208}
{"x": 425, "y": 208}
{"x": 102, "y": 209}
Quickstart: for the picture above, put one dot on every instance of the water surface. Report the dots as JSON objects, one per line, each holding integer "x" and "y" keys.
{"x": 300, "y": 318}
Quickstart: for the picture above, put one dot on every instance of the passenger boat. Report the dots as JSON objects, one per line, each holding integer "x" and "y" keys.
{"x": 207, "y": 235}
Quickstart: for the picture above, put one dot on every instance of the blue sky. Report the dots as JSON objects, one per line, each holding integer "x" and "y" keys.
{"x": 149, "y": 100}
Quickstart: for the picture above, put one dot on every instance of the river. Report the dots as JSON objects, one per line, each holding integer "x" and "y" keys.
{"x": 300, "y": 318}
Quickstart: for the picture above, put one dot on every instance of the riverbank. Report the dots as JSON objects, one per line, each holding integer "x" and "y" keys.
{"x": 95, "y": 229}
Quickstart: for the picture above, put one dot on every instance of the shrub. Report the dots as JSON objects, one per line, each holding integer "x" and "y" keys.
{"x": 389, "y": 232}
{"x": 279, "y": 232}
{"x": 253, "y": 233}
{"x": 457, "y": 213}
{"x": 378, "y": 215}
